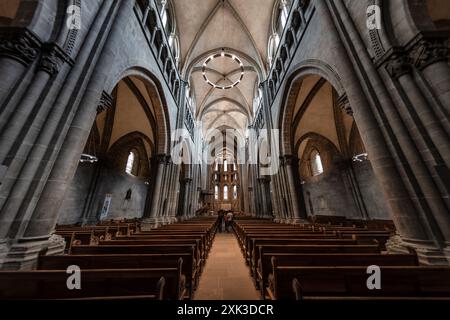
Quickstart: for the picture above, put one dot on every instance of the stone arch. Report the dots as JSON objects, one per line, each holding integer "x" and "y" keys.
{"x": 294, "y": 81}
{"x": 159, "y": 102}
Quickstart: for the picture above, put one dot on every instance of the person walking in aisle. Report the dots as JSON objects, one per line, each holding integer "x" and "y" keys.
{"x": 229, "y": 220}
{"x": 221, "y": 220}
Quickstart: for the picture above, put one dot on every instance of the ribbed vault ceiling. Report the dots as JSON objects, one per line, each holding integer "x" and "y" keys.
{"x": 240, "y": 27}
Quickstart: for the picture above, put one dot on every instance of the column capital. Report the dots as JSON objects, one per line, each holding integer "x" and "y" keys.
{"x": 397, "y": 62}
{"x": 344, "y": 104}
{"x": 106, "y": 102}
{"x": 52, "y": 58}
{"x": 19, "y": 44}
{"x": 429, "y": 48}
{"x": 160, "y": 158}
{"x": 264, "y": 179}
{"x": 290, "y": 159}
{"x": 303, "y": 3}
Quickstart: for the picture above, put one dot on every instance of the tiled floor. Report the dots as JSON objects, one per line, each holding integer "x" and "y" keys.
{"x": 226, "y": 277}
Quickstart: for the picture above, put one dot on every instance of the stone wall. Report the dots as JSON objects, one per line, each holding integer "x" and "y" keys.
{"x": 110, "y": 182}
{"x": 328, "y": 195}
{"x": 370, "y": 190}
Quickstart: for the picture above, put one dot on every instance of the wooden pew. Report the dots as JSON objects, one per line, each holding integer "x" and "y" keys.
{"x": 265, "y": 264}
{"x": 289, "y": 235}
{"x": 159, "y": 284}
{"x": 200, "y": 254}
{"x": 125, "y": 261}
{"x": 306, "y": 237}
{"x": 350, "y": 283}
{"x": 143, "y": 249}
{"x": 258, "y": 245}
{"x": 202, "y": 238}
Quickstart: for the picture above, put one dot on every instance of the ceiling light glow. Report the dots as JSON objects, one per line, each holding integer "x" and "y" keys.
{"x": 223, "y": 55}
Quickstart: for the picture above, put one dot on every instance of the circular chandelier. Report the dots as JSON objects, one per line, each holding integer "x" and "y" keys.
{"x": 223, "y": 55}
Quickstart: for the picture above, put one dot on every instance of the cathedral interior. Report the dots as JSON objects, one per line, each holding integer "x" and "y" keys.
{"x": 224, "y": 149}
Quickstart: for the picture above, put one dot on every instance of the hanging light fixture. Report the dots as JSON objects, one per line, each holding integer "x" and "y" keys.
{"x": 90, "y": 158}
{"x": 360, "y": 157}
{"x": 223, "y": 54}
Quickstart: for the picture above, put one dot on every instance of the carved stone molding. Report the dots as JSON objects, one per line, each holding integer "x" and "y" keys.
{"x": 428, "y": 51}
{"x": 264, "y": 179}
{"x": 398, "y": 63}
{"x": 106, "y": 102}
{"x": 344, "y": 104}
{"x": 290, "y": 160}
{"x": 52, "y": 58}
{"x": 160, "y": 158}
{"x": 189, "y": 121}
{"x": 187, "y": 180}
{"x": 21, "y": 45}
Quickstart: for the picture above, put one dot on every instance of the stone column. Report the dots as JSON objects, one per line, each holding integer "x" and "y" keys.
{"x": 14, "y": 150}
{"x": 275, "y": 196}
{"x": 391, "y": 149}
{"x": 49, "y": 66}
{"x": 269, "y": 211}
{"x": 286, "y": 203}
{"x": 429, "y": 137}
{"x": 163, "y": 206}
{"x": 342, "y": 103}
{"x": 262, "y": 198}
{"x": 19, "y": 48}
{"x": 430, "y": 56}
{"x": 295, "y": 192}
{"x": 39, "y": 145}
{"x": 151, "y": 218}
{"x": 187, "y": 196}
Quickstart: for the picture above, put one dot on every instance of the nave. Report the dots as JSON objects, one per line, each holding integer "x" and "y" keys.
{"x": 128, "y": 126}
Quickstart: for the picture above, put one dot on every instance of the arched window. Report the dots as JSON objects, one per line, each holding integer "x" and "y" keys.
{"x": 225, "y": 165}
{"x": 175, "y": 47}
{"x": 235, "y": 192}
{"x": 283, "y": 15}
{"x": 216, "y": 192}
{"x": 316, "y": 163}
{"x": 164, "y": 12}
{"x": 130, "y": 162}
{"x": 225, "y": 192}
{"x": 274, "y": 41}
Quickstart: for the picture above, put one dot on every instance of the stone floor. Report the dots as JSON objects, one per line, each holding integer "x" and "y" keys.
{"x": 226, "y": 276}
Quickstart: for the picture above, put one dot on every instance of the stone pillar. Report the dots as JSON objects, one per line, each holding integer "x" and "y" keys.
{"x": 49, "y": 66}
{"x": 14, "y": 150}
{"x": 158, "y": 196}
{"x": 296, "y": 193}
{"x": 19, "y": 48}
{"x": 261, "y": 198}
{"x": 286, "y": 203}
{"x": 429, "y": 54}
{"x": 187, "y": 196}
{"x": 394, "y": 157}
{"x": 429, "y": 137}
{"x": 54, "y": 141}
{"x": 342, "y": 103}
{"x": 275, "y": 196}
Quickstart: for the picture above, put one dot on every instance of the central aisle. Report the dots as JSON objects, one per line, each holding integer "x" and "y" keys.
{"x": 226, "y": 276}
